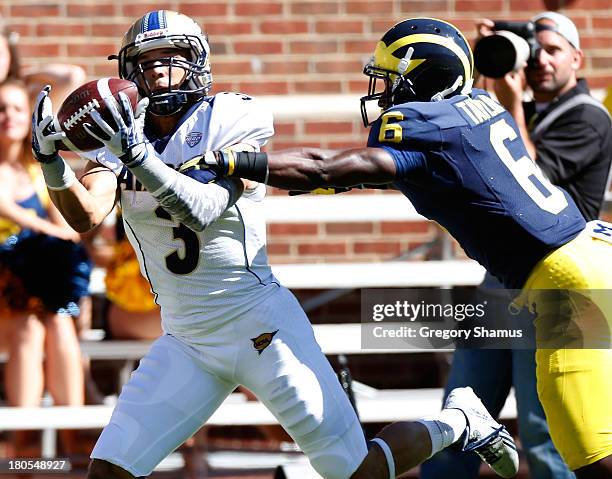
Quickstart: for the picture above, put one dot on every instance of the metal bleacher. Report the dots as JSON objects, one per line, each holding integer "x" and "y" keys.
{"x": 362, "y": 208}
{"x": 374, "y": 405}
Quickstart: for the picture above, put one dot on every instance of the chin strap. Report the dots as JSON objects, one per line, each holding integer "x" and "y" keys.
{"x": 402, "y": 67}
{"x": 168, "y": 105}
{"x": 404, "y": 62}
{"x": 441, "y": 95}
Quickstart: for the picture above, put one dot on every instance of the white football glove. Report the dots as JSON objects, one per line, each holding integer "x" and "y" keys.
{"x": 44, "y": 135}
{"x": 128, "y": 143}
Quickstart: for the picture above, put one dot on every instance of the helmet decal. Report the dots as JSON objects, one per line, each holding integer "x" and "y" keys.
{"x": 444, "y": 42}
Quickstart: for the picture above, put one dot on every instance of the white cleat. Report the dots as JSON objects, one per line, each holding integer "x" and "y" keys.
{"x": 485, "y": 436}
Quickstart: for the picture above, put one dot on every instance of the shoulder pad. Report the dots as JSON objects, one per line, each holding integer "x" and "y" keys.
{"x": 243, "y": 117}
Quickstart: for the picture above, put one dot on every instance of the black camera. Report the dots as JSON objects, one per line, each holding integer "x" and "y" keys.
{"x": 512, "y": 46}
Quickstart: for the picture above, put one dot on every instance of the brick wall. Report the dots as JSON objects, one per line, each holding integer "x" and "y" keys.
{"x": 281, "y": 46}
{"x": 292, "y": 47}
{"x": 341, "y": 242}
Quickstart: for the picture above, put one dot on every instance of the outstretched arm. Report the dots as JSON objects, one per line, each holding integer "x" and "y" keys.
{"x": 307, "y": 168}
{"x": 310, "y": 168}
{"x": 64, "y": 78}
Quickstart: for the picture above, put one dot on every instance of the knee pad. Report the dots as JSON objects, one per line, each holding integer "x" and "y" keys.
{"x": 332, "y": 465}
{"x": 340, "y": 458}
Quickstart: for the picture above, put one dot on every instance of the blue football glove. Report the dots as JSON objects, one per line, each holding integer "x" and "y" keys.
{"x": 44, "y": 135}
{"x": 127, "y": 142}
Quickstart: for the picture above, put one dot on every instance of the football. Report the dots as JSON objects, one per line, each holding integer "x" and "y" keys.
{"x": 77, "y": 107}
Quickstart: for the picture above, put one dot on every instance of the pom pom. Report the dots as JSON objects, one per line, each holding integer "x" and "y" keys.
{"x": 125, "y": 286}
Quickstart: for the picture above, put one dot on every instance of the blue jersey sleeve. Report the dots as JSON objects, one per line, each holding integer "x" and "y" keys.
{"x": 407, "y": 135}
{"x": 405, "y": 161}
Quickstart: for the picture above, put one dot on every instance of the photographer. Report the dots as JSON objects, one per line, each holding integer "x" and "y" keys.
{"x": 569, "y": 135}
{"x": 574, "y": 149}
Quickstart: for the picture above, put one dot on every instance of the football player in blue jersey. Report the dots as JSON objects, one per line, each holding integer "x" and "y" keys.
{"x": 457, "y": 155}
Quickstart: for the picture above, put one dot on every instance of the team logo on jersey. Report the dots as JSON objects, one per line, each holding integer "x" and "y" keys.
{"x": 262, "y": 341}
{"x": 600, "y": 230}
{"x": 193, "y": 138}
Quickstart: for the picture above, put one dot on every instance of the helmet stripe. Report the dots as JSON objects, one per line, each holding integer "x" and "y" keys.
{"x": 144, "y": 26}
{"x": 437, "y": 40}
{"x": 153, "y": 21}
{"x": 463, "y": 37}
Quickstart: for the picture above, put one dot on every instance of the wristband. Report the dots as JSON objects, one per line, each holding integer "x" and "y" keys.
{"x": 250, "y": 165}
{"x": 58, "y": 174}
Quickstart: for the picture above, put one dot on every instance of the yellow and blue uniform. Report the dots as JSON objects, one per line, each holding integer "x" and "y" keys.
{"x": 461, "y": 163}
{"x": 40, "y": 273}
{"x": 506, "y": 215}
{"x": 14, "y": 295}
{"x": 36, "y": 204}
{"x": 125, "y": 285}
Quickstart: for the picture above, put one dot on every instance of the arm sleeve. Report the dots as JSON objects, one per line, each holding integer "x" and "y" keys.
{"x": 191, "y": 202}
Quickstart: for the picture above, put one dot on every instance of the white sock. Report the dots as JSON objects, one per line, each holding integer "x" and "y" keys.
{"x": 444, "y": 428}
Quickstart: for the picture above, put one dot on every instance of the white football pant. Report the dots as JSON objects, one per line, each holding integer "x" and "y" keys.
{"x": 181, "y": 382}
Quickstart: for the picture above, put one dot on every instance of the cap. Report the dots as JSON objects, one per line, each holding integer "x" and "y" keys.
{"x": 564, "y": 26}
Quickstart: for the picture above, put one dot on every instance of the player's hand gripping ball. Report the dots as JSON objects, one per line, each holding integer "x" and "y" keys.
{"x": 76, "y": 109}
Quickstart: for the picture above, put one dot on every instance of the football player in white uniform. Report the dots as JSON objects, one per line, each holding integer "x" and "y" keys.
{"x": 200, "y": 242}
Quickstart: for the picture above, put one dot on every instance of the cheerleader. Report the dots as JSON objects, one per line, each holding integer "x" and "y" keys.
{"x": 44, "y": 272}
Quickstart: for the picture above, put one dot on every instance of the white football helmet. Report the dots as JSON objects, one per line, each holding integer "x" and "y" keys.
{"x": 167, "y": 29}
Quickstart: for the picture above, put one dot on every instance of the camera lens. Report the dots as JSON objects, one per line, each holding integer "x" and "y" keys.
{"x": 498, "y": 54}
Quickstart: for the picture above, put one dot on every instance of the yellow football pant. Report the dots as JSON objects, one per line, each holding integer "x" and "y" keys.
{"x": 570, "y": 290}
